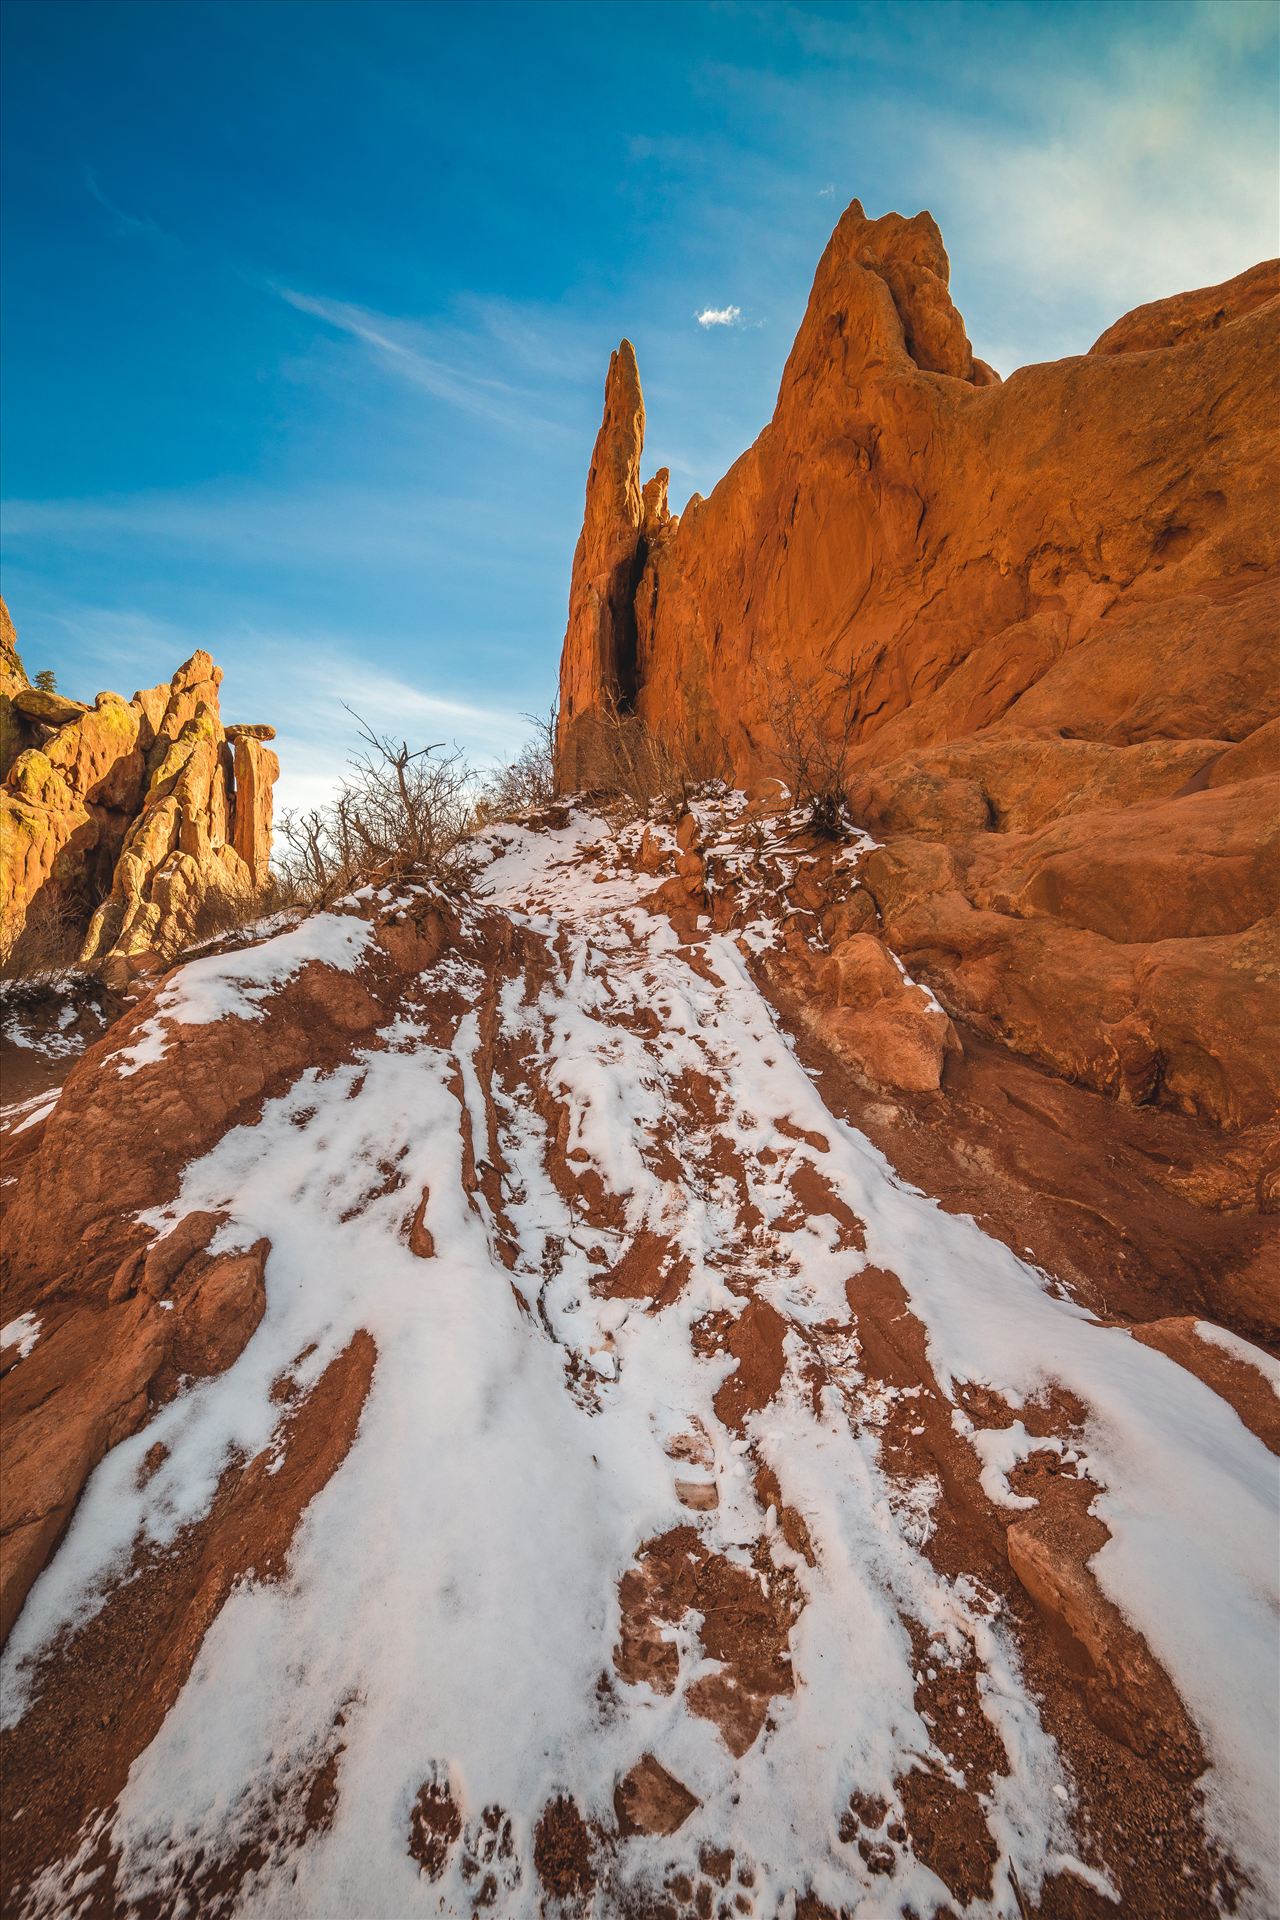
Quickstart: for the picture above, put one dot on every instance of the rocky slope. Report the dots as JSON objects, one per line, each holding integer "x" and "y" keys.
{"x": 1043, "y": 615}
{"x": 118, "y": 821}
{"x": 488, "y": 1432}
{"x": 716, "y": 1370}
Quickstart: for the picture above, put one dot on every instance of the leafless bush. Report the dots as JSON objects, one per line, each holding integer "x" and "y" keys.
{"x": 813, "y": 724}
{"x": 224, "y": 911}
{"x": 645, "y": 770}
{"x": 50, "y": 941}
{"x": 528, "y": 781}
{"x": 399, "y": 809}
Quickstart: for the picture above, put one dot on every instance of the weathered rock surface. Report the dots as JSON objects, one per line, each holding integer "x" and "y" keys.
{"x": 1049, "y": 1551}
{"x": 121, "y": 819}
{"x": 271, "y": 1282}
{"x": 48, "y": 709}
{"x": 599, "y": 657}
{"x": 126, "y": 1314}
{"x": 1045, "y": 610}
{"x": 95, "y": 1380}
{"x": 13, "y": 680}
{"x": 882, "y": 1021}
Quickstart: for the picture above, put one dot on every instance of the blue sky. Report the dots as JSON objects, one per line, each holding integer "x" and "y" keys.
{"x": 307, "y": 305}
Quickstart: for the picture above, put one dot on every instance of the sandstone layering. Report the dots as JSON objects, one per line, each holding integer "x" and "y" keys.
{"x": 120, "y": 820}
{"x": 1045, "y": 612}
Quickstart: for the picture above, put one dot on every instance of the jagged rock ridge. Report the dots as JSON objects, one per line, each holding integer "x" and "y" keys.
{"x": 1044, "y": 608}
{"x": 124, "y": 817}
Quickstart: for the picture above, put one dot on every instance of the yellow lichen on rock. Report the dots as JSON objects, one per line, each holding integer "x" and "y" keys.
{"x": 123, "y": 818}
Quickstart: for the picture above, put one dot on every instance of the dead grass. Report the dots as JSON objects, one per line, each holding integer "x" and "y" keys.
{"x": 643, "y": 770}
{"x": 49, "y": 945}
{"x": 526, "y": 783}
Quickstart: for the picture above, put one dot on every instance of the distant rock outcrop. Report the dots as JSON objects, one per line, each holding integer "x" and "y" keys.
{"x": 1042, "y": 612}
{"x": 120, "y": 820}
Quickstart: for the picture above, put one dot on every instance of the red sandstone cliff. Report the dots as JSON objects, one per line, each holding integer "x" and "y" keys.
{"x": 1046, "y": 608}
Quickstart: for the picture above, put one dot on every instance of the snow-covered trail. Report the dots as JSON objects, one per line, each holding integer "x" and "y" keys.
{"x": 617, "y": 1545}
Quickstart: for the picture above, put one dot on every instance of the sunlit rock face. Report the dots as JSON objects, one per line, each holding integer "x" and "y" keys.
{"x": 1042, "y": 611}
{"x": 120, "y": 820}
{"x": 599, "y": 659}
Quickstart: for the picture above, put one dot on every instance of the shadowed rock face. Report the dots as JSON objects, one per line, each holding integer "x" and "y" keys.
{"x": 121, "y": 819}
{"x": 1043, "y": 609}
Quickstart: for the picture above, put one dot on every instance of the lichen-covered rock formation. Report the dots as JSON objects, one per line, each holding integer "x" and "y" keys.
{"x": 1042, "y": 611}
{"x": 120, "y": 820}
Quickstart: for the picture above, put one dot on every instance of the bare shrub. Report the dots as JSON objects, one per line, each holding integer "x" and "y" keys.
{"x": 643, "y": 769}
{"x": 813, "y": 723}
{"x": 526, "y": 783}
{"x": 308, "y": 855}
{"x": 399, "y": 809}
{"x": 224, "y": 911}
{"x": 49, "y": 945}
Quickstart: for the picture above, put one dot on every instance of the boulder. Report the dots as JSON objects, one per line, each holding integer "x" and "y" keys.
{"x": 887, "y": 1027}
{"x": 49, "y": 709}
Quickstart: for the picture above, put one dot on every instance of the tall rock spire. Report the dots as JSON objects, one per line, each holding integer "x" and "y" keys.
{"x": 598, "y": 665}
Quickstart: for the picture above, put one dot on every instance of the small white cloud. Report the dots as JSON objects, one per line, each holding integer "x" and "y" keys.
{"x": 719, "y": 316}
{"x": 825, "y": 193}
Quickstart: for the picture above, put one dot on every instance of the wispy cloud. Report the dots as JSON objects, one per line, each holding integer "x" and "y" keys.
{"x": 405, "y": 349}
{"x": 128, "y": 226}
{"x": 719, "y": 316}
{"x": 402, "y": 349}
{"x": 1074, "y": 181}
{"x": 251, "y": 524}
{"x": 1093, "y": 216}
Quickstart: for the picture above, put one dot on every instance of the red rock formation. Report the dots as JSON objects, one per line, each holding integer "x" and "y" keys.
{"x": 598, "y": 664}
{"x": 118, "y": 820}
{"x": 1043, "y": 613}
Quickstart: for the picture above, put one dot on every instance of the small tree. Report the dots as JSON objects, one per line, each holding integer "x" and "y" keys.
{"x": 47, "y": 680}
{"x": 526, "y": 782}
{"x": 399, "y": 808}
